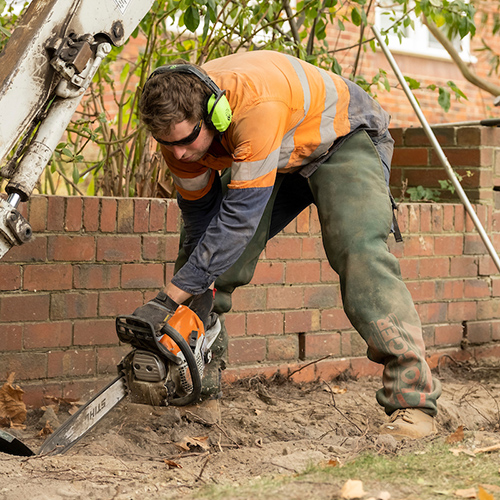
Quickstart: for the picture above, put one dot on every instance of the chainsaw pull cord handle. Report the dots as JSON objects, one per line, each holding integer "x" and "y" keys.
{"x": 195, "y": 394}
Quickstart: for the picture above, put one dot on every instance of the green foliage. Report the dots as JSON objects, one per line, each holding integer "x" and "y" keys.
{"x": 421, "y": 193}
{"x": 106, "y": 151}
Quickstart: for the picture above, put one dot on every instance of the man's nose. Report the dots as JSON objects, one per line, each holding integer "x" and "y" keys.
{"x": 178, "y": 151}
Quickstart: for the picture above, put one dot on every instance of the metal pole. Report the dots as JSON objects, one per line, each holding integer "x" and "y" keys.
{"x": 442, "y": 157}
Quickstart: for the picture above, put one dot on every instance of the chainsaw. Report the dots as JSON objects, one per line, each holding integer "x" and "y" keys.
{"x": 164, "y": 368}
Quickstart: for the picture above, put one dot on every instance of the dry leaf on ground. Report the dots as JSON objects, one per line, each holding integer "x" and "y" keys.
{"x": 465, "y": 451}
{"x": 468, "y": 493}
{"x": 193, "y": 444}
{"x": 484, "y": 495}
{"x": 457, "y": 436}
{"x": 47, "y": 429}
{"x": 488, "y": 449}
{"x": 172, "y": 465}
{"x": 352, "y": 489}
{"x": 12, "y": 408}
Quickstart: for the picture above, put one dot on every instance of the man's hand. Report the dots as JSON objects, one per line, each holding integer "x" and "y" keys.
{"x": 157, "y": 311}
{"x": 202, "y": 305}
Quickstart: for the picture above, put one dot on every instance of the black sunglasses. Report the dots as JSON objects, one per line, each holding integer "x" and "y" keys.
{"x": 187, "y": 140}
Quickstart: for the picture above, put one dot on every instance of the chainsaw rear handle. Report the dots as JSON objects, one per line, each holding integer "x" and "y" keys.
{"x": 141, "y": 334}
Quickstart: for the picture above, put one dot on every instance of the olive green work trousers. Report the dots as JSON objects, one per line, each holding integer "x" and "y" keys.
{"x": 355, "y": 214}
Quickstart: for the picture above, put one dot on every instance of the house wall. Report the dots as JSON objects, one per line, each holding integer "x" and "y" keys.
{"x": 94, "y": 258}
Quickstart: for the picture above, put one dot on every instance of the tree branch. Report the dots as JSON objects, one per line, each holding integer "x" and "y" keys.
{"x": 462, "y": 66}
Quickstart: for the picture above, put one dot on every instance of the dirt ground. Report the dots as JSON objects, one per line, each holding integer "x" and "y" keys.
{"x": 262, "y": 428}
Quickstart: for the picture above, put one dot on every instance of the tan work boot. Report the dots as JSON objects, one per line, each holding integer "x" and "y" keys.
{"x": 409, "y": 423}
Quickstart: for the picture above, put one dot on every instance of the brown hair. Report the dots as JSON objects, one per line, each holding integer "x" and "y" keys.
{"x": 170, "y": 98}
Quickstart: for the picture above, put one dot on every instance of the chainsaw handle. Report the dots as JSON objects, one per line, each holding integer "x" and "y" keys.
{"x": 194, "y": 395}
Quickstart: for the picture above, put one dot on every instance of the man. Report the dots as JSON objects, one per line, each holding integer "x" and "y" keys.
{"x": 298, "y": 135}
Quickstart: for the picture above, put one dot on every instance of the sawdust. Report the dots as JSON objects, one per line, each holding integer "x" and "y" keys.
{"x": 261, "y": 428}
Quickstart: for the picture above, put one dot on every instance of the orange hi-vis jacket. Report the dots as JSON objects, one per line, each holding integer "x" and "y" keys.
{"x": 288, "y": 116}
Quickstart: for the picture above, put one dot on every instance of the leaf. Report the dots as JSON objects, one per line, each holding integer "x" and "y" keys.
{"x": 444, "y": 99}
{"x": 352, "y": 489}
{"x": 192, "y": 18}
{"x": 12, "y": 408}
{"x": 355, "y": 17}
{"x": 457, "y": 436}
{"x": 172, "y": 465}
{"x": 193, "y": 444}
{"x": 469, "y": 493}
{"x": 484, "y": 495}
{"x": 488, "y": 449}
{"x": 47, "y": 429}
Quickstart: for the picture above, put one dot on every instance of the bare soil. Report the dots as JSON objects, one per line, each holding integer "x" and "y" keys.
{"x": 259, "y": 428}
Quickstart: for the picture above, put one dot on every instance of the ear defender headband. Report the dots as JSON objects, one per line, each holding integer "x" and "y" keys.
{"x": 218, "y": 111}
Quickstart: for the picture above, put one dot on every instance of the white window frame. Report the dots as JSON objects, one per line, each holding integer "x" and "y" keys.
{"x": 417, "y": 40}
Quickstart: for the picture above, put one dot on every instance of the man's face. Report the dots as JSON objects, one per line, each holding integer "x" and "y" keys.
{"x": 179, "y": 144}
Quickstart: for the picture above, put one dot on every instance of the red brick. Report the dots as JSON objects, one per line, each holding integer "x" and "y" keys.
{"x": 488, "y": 309}
{"x": 464, "y": 266}
{"x": 448, "y": 217}
{"x": 125, "y": 215}
{"x": 36, "y": 393}
{"x": 91, "y": 214}
{"x": 422, "y": 290}
{"x": 330, "y": 369}
{"x": 26, "y": 365}
{"x": 303, "y": 221}
{"x": 82, "y": 390}
{"x": 495, "y": 283}
{"x": 414, "y": 217}
{"x": 74, "y": 205}
{"x": 418, "y": 245}
{"x": 109, "y": 357}
{"x": 363, "y": 367}
{"x": 417, "y": 136}
{"x": 335, "y": 319}
{"x": 460, "y": 157}
{"x": 264, "y": 323}
{"x": 476, "y": 288}
{"x": 448, "y": 334}
{"x": 286, "y": 297}
{"x": 322, "y": 296}
{"x": 299, "y": 321}
{"x": 247, "y": 350}
{"x": 302, "y": 272}
{"x": 328, "y": 275}
{"x": 462, "y": 311}
{"x": 162, "y": 247}
{"x": 425, "y": 218}
{"x": 157, "y": 215}
{"x": 141, "y": 215}
{"x": 449, "y": 245}
{"x": 282, "y": 348}
{"x": 119, "y": 302}
{"x": 34, "y": 251}
{"x": 108, "y": 215}
{"x": 397, "y": 135}
{"x": 487, "y": 266}
{"x": 410, "y": 156}
{"x": 450, "y": 289}
{"x": 173, "y": 217}
{"x": 319, "y": 345}
{"x": 249, "y": 299}
{"x": 433, "y": 312}
{"x": 72, "y": 363}
{"x": 268, "y": 272}
{"x": 235, "y": 324}
{"x": 118, "y": 248}
{"x": 53, "y": 334}
{"x": 314, "y": 220}
{"x": 24, "y": 307}
{"x": 142, "y": 276}
{"x": 409, "y": 268}
{"x": 48, "y": 277}
{"x": 284, "y": 248}
{"x": 73, "y": 305}
{"x": 71, "y": 248}
{"x": 38, "y": 213}
{"x": 495, "y": 330}
{"x": 459, "y": 218}
{"x": 312, "y": 248}
{"x": 290, "y": 228}
{"x": 55, "y": 213}
{"x": 438, "y": 267}
{"x": 302, "y": 374}
{"x": 479, "y": 332}
{"x": 95, "y": 276}
{"x": 10, "y": 277}
{"x": 473, "y": 244}
{"x": 11, "y": 338}
{"x": 95, "y": 332}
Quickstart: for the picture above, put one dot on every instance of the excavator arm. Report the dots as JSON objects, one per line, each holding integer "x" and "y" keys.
{"x": 45, "y": 69}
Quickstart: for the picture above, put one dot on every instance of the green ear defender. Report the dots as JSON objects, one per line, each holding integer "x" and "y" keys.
{"x": 218, "y": 111}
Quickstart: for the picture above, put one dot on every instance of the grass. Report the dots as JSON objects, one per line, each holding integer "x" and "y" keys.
{"x": 432, "y": 472}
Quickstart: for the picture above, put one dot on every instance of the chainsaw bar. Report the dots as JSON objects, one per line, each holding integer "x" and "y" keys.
{"x": 85, "y": 418}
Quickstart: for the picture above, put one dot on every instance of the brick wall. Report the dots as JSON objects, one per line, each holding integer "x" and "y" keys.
{"x": 94, "y": 258}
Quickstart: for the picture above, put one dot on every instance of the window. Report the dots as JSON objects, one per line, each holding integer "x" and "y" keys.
{"x": 415, "y": 38}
